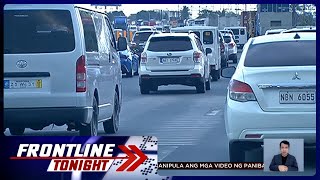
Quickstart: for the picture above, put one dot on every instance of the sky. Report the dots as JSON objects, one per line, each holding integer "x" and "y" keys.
{"x": 134, "y": 8}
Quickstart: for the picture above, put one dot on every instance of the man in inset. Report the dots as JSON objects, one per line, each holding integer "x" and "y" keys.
{"x": 284, "y": 161}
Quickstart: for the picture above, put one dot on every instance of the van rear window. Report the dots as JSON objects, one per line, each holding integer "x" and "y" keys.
{"x": 38, "y": 31}
{"x": 170, "y": 43}
{"x": 288, "y": 53}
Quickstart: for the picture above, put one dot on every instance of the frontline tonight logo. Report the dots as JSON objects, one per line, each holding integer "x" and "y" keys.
{"x": 76, "y": 157}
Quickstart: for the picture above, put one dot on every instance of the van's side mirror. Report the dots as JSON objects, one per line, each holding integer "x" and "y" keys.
{"x": 228, "y": 72}
{"x": 122, "y": 43}
{"x": 208, "y": 51}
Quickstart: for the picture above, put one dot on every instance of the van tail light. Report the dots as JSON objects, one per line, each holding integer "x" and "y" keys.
{"x": 144, "y": 58}
{"x": 231, "y": 45}
{"x": 81, "y": 74}
{"x": 197, "y": 57}
{"x": 240, "y": 91}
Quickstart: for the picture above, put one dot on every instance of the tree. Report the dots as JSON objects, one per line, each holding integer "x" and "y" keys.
{"x": 185, "y": 13}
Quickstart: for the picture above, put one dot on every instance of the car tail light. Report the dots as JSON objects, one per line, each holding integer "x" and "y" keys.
{"x": 240, "y": 91}
{"x": 231, "y": 45}
{"x": 196, "y": 56}
{"x": 81, "y": 74}
{"x": 144, "y": 58}
{"x": 222, "y": 47}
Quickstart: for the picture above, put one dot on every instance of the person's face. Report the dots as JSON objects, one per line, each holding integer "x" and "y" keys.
{"x": 284, "y": 149}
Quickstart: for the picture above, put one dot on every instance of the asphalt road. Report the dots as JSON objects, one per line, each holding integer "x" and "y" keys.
{"x": 189, "y": 126}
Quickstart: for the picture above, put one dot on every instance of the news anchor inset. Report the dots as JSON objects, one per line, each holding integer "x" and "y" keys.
{"x": 284, "y": 161}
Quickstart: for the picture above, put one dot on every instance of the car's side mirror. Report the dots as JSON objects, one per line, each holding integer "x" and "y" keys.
{"x": 208, "y": 51}
{"x": 228, "y": 72}
{"x": 122, "y": 43}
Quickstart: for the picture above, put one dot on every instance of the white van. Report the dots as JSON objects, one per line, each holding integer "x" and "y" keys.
{"x": 61, "y": 66}
{"x": 209, "y": 37}
{"x": 240, "y": 34}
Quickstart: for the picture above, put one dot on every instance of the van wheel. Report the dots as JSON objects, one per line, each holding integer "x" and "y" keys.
{"x": 92, "y": 128}
{"x": 208, "y": 85}
{"x": 16, "y": 131}
{"x": 144, "y": 89}
{"x": 215, "y": 75}
{"x": 155, "y": 88}
{"x": 130, "y": 73}
{"x": 111, "y": 126}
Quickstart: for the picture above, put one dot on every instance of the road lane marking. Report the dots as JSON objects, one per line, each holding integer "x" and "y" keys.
{"x": 213, "y": 113}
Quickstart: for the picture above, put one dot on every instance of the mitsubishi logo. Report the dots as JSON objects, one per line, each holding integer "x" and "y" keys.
{"x": 296, "y": 76}
{"x": 169, "y": 54}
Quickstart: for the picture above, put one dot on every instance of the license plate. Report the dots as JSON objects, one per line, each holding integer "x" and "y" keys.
{"x": 297, "y": 97}
{"x": 22, "y": 84}
{"x": 169, "y": 60}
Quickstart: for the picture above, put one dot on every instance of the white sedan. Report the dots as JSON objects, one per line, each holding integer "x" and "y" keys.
{"x": 272, "y": 92}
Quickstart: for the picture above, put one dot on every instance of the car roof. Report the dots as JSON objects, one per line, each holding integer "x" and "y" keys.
{"x": 235, "y": 27}
{"x": 276, "y": 30}
{"x": 173, "y": 34}
{"x": 195, "y": 28}
{"x": 305, "y": 29}
{"x": 283, "y": 37}
{"x": 146, "y": 31}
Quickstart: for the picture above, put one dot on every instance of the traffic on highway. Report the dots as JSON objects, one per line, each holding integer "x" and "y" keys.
{"x": 215, "y": 84}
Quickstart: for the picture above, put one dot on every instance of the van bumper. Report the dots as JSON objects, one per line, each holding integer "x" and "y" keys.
{"x": 38, "y": 118}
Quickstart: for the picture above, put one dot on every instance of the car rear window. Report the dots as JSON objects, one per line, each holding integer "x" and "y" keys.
{"x": 288, "y": 53}
{"x": 38, "y": 31}
{"x": 142, "y": 37}
{"x": 171, "y": 43}
{"x": 227, "y": 39}
{"x": 207, "y": 37}
{"x": 235, "y": 31}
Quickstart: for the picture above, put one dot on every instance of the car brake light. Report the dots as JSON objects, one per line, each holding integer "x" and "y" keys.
{"x": 222, "y": 47}
{"x": 196, "y": 56}
{"x": 144, "y": 58}
{"x": 240, "y": 91}
{"x": 232, "y": 44}
{"x": 81, "y": 74}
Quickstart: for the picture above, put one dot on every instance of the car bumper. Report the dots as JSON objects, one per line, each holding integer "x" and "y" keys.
{"x": 125, "y": 66}
{"x": 189, "y": 80}
{"x": 245, "y": 120}
{"x": 41, "y": 117}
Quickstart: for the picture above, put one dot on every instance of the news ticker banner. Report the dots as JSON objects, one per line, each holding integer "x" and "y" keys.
{"x": 210, "y": 165}
{"x": 79, "y": 157}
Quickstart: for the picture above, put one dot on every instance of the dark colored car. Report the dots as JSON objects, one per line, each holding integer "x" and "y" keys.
{"x": 223, "y": 51}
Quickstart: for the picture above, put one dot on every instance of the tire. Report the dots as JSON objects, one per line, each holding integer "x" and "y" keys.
{"x": 201, "y": 87}
{"x": 130, "y": 73}
{"x": 111, "y": 126}
{"x": 208, "y": 85}
{"x": 235, "y": 59}
{"x": 16, "y": 131}
{"x": 136, "y": 73}
{"x": 92, "y": 128}
{"x": 236, "y": 152}
{"x": 144, "y": 89}
{"x": 215, "y": 75}
{"x": 155, "y": 88}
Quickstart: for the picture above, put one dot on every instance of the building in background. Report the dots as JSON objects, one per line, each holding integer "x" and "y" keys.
{"x": 248, "y": 20}
{"x": 273, "y": 16}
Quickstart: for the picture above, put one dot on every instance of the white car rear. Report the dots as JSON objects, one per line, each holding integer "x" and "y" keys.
{"x": 272, "y": 93}
{"x": 177, "y": 58}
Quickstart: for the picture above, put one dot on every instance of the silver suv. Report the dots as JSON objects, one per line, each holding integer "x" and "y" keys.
{"x": 175, "y": 58}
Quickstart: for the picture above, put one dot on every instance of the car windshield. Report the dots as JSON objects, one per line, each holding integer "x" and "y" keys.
{"x": 290, "y": 53}
{"x": 170, "y": 43}
{"x": 50, "y": 31}
{"x": 142, "y": 36}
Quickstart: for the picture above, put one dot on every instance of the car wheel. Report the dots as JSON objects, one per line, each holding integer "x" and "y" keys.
{"x": 201, "y": 87}
{"x": 236, "y": 152}
{"x": 111, "y": 126}
{"x": 92, "y": 128}
{"x": 136, "y": 73}
{"x": 16, "y": 131}
{"x": 144, "y": 89}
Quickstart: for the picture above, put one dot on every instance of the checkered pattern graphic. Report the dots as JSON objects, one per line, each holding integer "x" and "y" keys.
{"x": 148, "y": 170}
